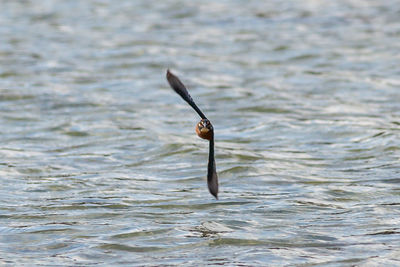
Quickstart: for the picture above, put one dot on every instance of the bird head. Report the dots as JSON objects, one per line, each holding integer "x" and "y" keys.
{"x": 204, "y": 129}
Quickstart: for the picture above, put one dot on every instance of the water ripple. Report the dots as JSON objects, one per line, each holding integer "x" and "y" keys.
{"x": 99, "y": 163}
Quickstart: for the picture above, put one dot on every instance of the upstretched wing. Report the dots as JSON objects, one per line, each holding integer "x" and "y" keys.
{"x": 181, "y": 90}
{"x": 212, "y": 178}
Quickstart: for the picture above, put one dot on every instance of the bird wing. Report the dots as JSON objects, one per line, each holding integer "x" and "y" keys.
{"x": 212, "y": 177}
{"x": 181, "y": 90}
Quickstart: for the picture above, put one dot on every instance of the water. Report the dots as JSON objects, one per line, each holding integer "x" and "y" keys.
{"x": 100, "y": 164}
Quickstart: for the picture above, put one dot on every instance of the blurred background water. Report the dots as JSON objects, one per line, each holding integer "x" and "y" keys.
{"x": 100, "y": 164}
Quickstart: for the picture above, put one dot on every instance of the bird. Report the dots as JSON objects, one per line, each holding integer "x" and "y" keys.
{"x": 204, "y": 130}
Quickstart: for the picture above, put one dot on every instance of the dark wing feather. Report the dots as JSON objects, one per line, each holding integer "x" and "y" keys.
{"x": 181, "y": 90}
{"x": 212, "y": 178}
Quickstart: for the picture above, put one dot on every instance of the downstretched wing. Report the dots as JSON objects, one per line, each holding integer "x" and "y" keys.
{"x": 212, "y": 178}
{"x": 181, "y": 90}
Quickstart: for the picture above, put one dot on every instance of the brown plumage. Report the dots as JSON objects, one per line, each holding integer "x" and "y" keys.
{"x": 204, "y": 129}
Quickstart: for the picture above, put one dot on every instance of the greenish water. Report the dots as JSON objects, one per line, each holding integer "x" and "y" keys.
{"x": 100, "y": 164}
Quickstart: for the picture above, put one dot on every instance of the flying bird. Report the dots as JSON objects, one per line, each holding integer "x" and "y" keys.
{"x": 204, "y": 129}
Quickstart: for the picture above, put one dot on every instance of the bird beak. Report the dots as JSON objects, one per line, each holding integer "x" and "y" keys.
{"x": 204, "y": 130}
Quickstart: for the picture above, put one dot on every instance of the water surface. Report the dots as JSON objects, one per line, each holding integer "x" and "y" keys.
{"x": 100, "y": 165}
